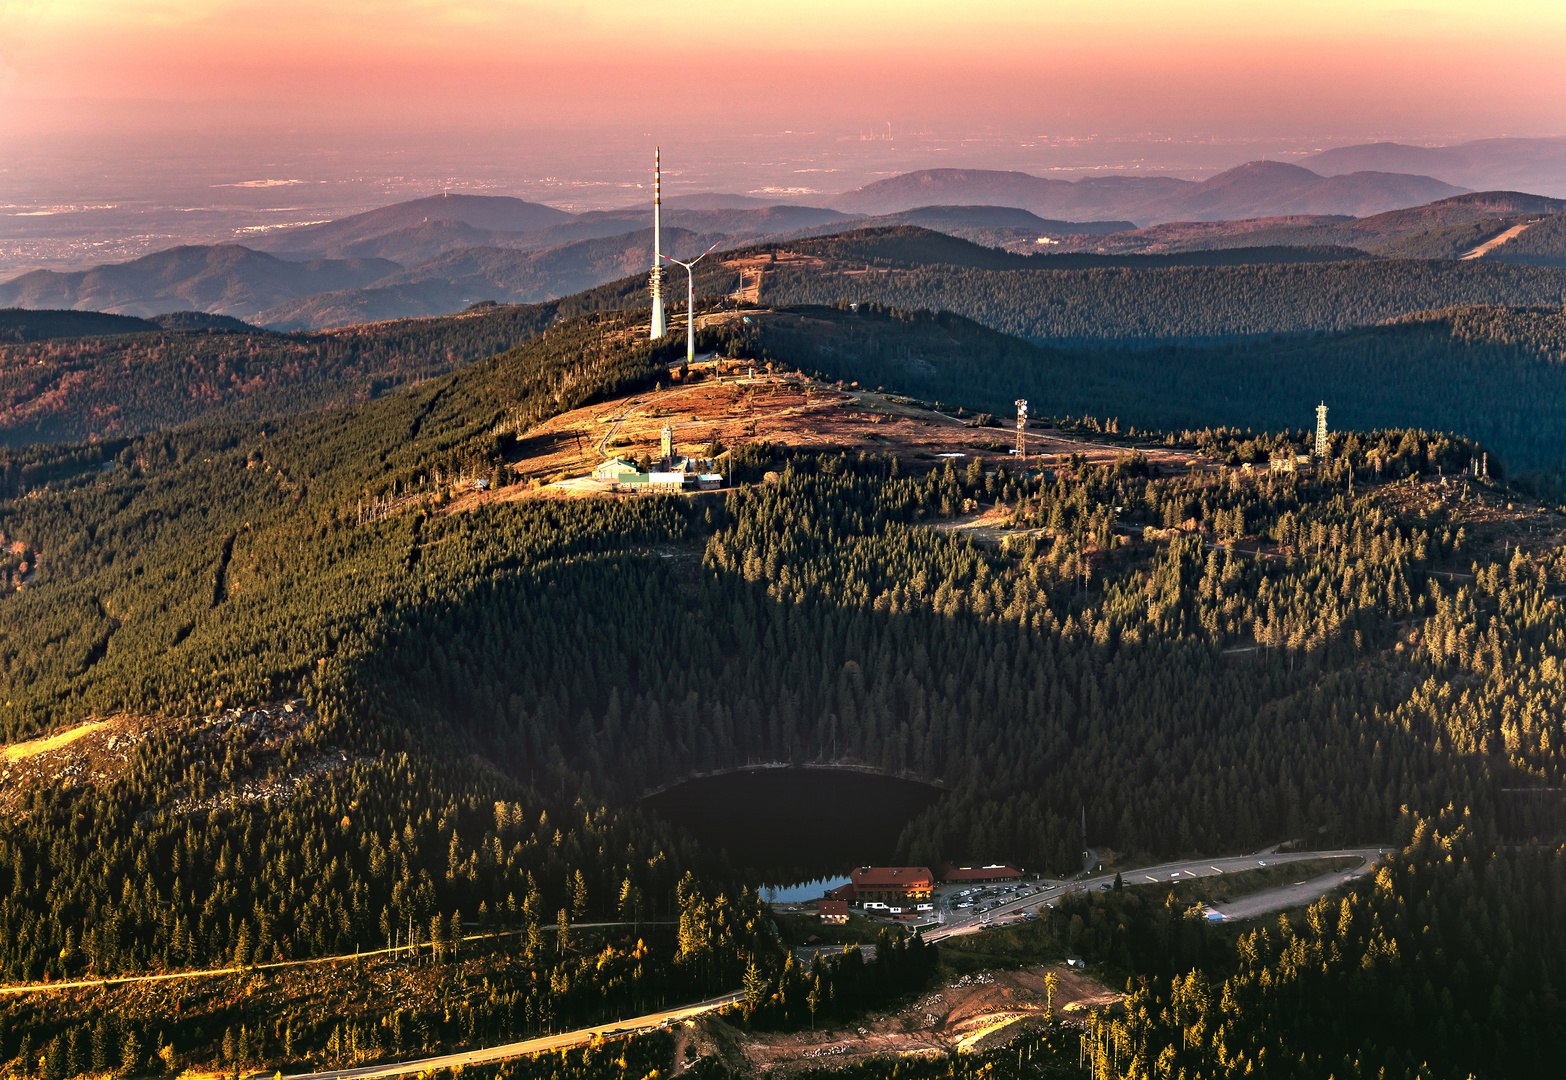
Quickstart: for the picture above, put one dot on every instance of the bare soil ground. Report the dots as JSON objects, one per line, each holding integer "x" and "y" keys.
{"x": 34, "y": 747}
{"x": 724, "y": 400}
{"x": 973, "y": 1012}
{"x": 101, "y": 751}
{"x": 90, "y": 753}
{"x": 1495, "y": 242}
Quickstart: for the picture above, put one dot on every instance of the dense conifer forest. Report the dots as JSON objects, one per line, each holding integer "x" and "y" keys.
{"x": 1140, "y": 307}
{"x": 73, "y": 376}
{"x": 1208, "y": 661}
{"x": 1494, "y": 374}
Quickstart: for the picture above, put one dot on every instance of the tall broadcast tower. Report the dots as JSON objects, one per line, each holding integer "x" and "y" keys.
{"x": 659, "y": 328}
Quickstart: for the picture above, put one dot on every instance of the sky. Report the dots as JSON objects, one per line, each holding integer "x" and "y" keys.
{"x": 1342, "y": 70}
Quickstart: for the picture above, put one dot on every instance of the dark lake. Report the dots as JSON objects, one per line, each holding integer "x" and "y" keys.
{"x": 782, "y": 826}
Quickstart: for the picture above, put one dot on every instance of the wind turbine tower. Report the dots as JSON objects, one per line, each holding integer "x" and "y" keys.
{"x": 659, "y": 328}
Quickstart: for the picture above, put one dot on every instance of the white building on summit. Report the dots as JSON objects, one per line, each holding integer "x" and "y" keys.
{"x": 668, "y": 472}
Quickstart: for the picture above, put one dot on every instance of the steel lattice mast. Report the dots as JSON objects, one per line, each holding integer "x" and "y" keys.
{"x": 1022, "y": 423}
{"x": 659, "y": 327}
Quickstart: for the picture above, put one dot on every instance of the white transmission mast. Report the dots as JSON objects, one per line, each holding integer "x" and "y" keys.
{"x": 1022, "y": 422}
{"x": 659, "y": 327}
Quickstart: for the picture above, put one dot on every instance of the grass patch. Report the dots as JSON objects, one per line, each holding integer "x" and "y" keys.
{"x": 1018, "y": 945}
{"x": 797, "y": 929}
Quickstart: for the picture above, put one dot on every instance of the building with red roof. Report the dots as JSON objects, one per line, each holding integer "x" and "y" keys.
{"x": 891, "y": 883}
{"x": 833, "y": 911}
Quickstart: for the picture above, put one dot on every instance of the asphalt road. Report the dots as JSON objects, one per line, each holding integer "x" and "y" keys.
{"x": 520, "y": 1049}
{"x": 1260, "y": 903}
{"x": 1286, "y": 896}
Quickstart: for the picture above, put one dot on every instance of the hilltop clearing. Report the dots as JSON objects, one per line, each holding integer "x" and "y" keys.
{"x": 724, "y": 403}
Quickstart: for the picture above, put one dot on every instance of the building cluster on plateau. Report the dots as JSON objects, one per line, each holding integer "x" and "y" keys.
{"x": 669, "y": 472}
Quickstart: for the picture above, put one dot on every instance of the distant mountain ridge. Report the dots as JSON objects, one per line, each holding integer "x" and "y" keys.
{"x": 453, "y": 280}
{"x": 495, "y": 213}
{"x": 224, "y": 280}
{"x": 1446, "y": 228}
{"x": 1505, "y": 163}
{"x": 438, "y": 254}
{"x": 1255, "y": 189}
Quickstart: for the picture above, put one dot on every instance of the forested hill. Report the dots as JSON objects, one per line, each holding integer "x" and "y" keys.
{"x": 1141, "y": 307}
{"x": 1497, "y": 375}
{"x": 70, "y": 388}
{"x": 26, "y": 324}
{"x": 486, "y": 692}
{"x": 907, "y": 246}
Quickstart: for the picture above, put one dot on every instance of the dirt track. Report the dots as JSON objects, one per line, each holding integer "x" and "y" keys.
{"x": 1490, "y": 245}
{"x": 973, "y": 1012}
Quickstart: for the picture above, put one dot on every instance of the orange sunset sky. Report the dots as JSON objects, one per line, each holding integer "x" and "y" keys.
{"x": 1432, "y": 70}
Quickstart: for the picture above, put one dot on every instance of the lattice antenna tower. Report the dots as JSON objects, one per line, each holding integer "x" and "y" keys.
{"x": 1321, "y": 431}
{"x": 1022, "y": 423}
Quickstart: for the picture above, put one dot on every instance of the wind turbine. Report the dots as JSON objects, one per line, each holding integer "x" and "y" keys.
{"x": 690, "y": 300}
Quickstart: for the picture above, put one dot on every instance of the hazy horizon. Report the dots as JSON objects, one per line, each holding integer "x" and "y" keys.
{"x": 139, "y": 125}
{"x": 72, "y": 203}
